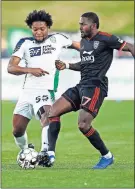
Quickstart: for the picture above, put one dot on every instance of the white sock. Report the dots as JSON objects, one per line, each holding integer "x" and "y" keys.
{"x": 52, "y": 156}
{"x": 44, "y": 138}
{"x": 22, "y": 141}
{"x": 51, "y": 153}
{"x": 108, "y": 155}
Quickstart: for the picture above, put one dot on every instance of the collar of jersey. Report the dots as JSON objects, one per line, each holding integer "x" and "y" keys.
{"x": 43, "y": 40}
{"x": 92, "y": 37}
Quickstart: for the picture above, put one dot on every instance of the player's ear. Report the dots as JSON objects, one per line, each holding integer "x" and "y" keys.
{"x": 94, "y": 25}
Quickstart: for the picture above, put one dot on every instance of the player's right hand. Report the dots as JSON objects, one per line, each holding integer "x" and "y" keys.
{"x": 60, "y": 65}
{"x": 38, "y": 72}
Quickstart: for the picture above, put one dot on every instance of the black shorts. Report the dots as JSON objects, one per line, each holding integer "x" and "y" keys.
{"x": 88, "y": 98}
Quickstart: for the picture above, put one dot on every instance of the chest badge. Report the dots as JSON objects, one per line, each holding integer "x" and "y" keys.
{"x": 53, "y": 39}
{"x": 96, "y": 44}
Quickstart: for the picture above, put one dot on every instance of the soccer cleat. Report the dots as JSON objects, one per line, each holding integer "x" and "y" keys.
{"x": 31, "y": 146}
{"x": 51, "y": 155}
{"x": 43, "y": 158}
{"x": 46, "y": 159}
{"x": 104, "y": 163}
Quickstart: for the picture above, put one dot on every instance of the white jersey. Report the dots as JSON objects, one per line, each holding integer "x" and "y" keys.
{"x": 41, "y": 55}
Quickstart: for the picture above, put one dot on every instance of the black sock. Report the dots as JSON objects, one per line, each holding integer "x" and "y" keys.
{"x": 53, "y": 131}
{"x": 95, "y": 139}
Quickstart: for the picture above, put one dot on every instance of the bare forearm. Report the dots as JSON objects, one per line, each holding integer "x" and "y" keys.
{"x": 72, "y": 47}
{"x": 17, "y": 70}
{"x": 75, "y": 45}
{"x": 129, "y": 47}
{"x": 75, "y": 66}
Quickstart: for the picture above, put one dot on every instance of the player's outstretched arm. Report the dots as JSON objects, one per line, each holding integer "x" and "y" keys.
{"x": 115, "y": 42}
{"x": 60, "y": 65}
{"x": 75, "y": 45}
{"x": 75, "y": 66}
{"x": 15, "y": 69}
{"x": 129, "y": 47}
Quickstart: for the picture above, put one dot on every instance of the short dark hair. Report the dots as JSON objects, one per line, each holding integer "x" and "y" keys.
{"x": 92, "y": 16}
{"x": 40, "y": 15}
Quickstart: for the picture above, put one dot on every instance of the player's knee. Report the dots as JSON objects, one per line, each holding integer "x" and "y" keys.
{"x": 18, "y": 130}
{"x": 44, "y": 121}
{"x": 18, "y": 133}
{"x": 83, "y": 125}
{"x": 53, "y": 113}
{"x": 19, "y": 125}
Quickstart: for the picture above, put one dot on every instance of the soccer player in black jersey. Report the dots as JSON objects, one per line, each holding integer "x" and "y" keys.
{"x": 96, "y": 52}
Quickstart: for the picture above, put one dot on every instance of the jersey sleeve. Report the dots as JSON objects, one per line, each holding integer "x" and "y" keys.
{"x": 115, "y": 43}
{"x": 19, "y": 49}
{"x": 65, "y": 41}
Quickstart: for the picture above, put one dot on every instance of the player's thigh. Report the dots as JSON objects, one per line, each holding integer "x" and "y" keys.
{"x": 73, "y": 97}
{"x": 24, "y": 106}
{"x": 22, "y": 114}
{"x": 69, "y": 101}
{"x": 60, "y": 107}
{"x": 42, "y": 104}
{"x": 43, "y": 100}
{"x": 92, "y": 99}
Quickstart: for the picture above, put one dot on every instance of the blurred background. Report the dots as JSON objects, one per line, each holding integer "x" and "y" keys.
{"x": 116, "y": 17}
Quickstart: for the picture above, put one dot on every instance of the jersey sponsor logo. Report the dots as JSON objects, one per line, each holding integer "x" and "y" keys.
{"x": 48, "y": 49}
{"x": 86, "y": 52}
{"x": 35, "y": 51}
{"x": 96, "y": 44}
{"x": 88, "y": 57}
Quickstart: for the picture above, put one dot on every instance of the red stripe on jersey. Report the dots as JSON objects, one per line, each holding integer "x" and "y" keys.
{"x": 105, "y": 33}
{"x": 122, "y": 46}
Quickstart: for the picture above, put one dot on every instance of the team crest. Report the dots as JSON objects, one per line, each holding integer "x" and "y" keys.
{"x": 96, "y": 44}
{"x": 53, "y": 39}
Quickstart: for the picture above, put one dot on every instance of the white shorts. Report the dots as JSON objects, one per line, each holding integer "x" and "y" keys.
{"x": 30, "y": 101}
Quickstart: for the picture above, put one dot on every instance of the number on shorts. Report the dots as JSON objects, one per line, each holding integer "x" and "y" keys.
{"x": 43, "y": 98}
{"x": 85, "y": 100}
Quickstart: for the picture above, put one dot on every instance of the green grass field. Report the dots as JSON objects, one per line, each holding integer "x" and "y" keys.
{"x": 115, "y": 16}
{"x": 75, "y": 156}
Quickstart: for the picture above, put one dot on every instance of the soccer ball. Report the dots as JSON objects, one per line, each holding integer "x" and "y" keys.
{"x": 27, "y": 158}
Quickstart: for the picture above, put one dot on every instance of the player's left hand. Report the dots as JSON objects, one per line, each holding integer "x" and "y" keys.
{"x": 60, "y": 65}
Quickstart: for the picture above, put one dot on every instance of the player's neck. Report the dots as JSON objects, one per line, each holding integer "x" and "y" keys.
{"x": 93, "y": 34}
{"x": 46, "y": 37}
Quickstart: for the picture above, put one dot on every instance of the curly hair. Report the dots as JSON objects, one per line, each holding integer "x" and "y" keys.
{"x": 40, "y": 15}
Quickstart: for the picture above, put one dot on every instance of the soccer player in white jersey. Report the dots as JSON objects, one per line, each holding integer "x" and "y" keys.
{"x": 37, "y": 96}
